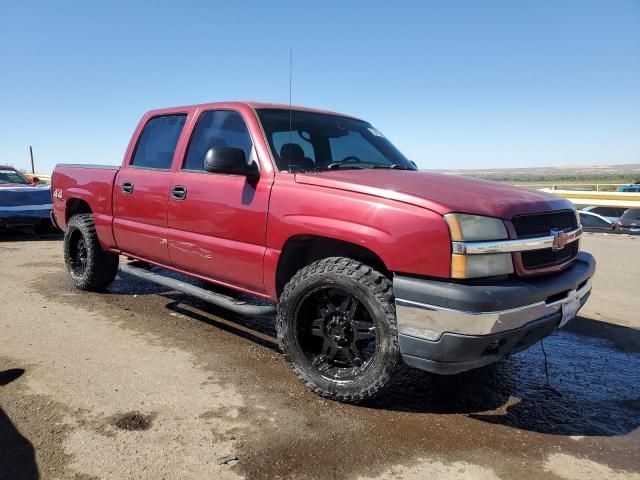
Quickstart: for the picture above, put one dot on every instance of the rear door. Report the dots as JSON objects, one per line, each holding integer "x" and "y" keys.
{"x": 217, "y": 222}
{"x": 141, "y": 188}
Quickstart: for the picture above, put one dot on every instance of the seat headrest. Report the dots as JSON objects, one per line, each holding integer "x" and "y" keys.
{"x": 291, "y": 153}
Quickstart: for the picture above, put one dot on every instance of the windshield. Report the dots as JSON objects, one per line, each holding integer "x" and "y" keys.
{"x": 12, "y": 176}
{"x": 319, "y": 141}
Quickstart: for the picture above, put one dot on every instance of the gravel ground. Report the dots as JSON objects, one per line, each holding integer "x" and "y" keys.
{"x": 142, "y": 383}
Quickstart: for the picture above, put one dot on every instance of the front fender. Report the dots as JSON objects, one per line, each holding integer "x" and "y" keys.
{"x": 407, "y": 238}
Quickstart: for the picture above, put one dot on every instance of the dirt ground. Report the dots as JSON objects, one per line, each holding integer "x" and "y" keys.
{"x": 143, "y": 383}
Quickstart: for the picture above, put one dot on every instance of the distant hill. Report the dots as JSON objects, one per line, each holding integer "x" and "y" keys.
{"x": 627, "y": 173}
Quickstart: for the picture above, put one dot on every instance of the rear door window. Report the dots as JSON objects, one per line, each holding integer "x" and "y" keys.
{"x": 158, "y": 141}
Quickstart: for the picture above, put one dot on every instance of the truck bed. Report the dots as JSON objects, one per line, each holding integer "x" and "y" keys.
{"x": 88, "y": 184}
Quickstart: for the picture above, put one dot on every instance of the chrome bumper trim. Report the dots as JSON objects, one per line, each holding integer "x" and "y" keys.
{"x": 509, "y": 246}
{"x": 430, "y": 321}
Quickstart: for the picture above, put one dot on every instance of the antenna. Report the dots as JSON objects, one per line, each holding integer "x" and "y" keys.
{"x": 290, "y": 109}
{"x": 290, "y": 82}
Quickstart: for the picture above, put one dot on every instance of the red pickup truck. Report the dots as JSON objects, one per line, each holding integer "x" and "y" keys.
{"x": 367, "y": 263}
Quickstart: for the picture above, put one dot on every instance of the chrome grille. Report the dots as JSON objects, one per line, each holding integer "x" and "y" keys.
{"x": 548, "y": 257}
{"x": 541, "y": 224}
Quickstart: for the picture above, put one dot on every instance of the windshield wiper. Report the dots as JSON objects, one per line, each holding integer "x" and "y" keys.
{"x": 353, "y": 166}
{"x": 343, "y": 166}
{"x": 394, "y": 166}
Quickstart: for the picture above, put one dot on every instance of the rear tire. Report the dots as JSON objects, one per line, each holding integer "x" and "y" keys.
{"x": 337, "y": 327}
{"x": 90, "y": 267}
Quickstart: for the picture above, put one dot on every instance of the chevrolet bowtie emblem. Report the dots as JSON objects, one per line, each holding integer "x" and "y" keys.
{"x": 560, "y": 239}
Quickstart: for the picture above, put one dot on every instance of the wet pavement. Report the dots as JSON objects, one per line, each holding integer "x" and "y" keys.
{"x": 503, "y": 421}
{"x": 586, "y": 387}
{"x": 589, "y": 391}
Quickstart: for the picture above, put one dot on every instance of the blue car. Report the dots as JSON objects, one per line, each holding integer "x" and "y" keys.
{"x": 629, "y": 188}
{"x": 24, "y": 203}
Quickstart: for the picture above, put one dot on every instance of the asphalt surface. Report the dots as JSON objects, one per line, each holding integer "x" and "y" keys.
{"x": 139, "y": 382}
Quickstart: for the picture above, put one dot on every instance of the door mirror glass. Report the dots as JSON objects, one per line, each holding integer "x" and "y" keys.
{"x": 229, "y": 160}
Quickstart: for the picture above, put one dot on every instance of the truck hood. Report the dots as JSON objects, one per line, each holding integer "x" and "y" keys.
{"x": 438, "y": 192}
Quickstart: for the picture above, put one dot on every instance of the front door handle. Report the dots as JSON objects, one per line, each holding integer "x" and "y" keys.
{"x": 179, "y": 192}
{"x": 127, "y": 188}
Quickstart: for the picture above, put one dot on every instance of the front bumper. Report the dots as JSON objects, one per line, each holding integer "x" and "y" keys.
{"x": 446, "y": 327}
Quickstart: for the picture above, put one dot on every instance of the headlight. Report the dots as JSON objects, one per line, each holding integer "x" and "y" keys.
{"x": 476, "y": 228}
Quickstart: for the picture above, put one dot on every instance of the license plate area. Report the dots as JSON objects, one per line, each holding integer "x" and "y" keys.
{"x": 570, "y": 308}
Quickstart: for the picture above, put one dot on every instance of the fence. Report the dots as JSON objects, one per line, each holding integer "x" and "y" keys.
{"x": 599, "y": 199}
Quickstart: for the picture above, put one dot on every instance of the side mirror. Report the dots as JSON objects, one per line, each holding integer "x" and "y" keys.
{"x": 414, "y": 164}
{"x": 230, "y": 160}
{"x": 35, "y": 180}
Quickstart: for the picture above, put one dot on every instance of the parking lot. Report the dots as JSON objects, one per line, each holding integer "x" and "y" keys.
{"x": 141, "y": 382}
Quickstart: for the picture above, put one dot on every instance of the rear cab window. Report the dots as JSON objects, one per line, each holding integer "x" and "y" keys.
{"x": 281, "y": 141}
{"x": 158, "y": 140}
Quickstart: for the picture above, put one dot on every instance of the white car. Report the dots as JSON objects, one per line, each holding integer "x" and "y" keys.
{"x": 610, "y": 213}
{"x": 592, "y": 222}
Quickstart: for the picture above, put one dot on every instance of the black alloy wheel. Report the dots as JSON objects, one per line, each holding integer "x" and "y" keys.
{"x": 77, "y": 253}
{"x": 335, "y": 332}
{"x": 90, "y": 266}
{"x": 337, "y": 327}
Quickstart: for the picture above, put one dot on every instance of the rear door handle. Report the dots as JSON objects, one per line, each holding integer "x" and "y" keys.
{"x": 179, "y": 192}
{"x": 127, "y": 188}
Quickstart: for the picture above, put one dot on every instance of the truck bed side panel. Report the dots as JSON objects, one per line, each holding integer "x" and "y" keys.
{"x": 93, "y": 185}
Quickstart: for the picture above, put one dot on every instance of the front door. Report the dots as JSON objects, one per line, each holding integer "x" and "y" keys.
{"x": 217, "y": 222}
{"x": 141, "y": 190}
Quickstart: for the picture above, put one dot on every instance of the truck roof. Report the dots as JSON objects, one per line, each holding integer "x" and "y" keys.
{"x": 253, "y": 104}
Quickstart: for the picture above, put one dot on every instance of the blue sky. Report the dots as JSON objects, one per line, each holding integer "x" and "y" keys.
{"x": 459, "y": 84}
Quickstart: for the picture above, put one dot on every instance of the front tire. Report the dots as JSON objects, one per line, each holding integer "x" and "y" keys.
{"x": 337, "y": 327}
{"x": 90, "y": 267}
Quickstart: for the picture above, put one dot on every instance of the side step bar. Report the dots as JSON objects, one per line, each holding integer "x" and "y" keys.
{"x": 237, "y": 306}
